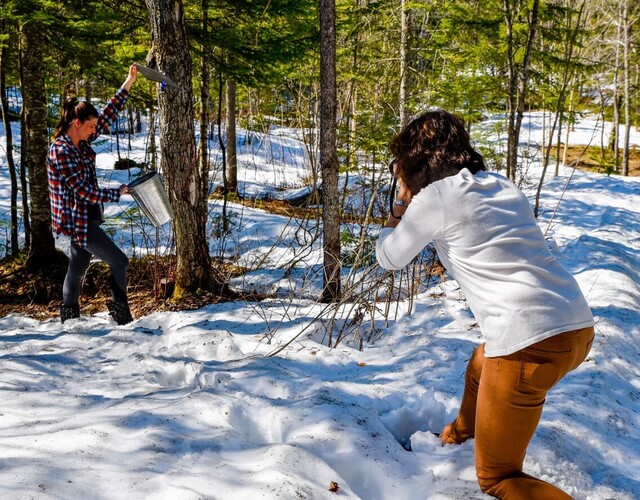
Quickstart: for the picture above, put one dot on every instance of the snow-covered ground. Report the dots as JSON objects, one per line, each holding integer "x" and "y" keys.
{"x": 245, "y": 400}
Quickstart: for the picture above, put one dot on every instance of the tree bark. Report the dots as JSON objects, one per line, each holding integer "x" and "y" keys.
{"x": 24, "y": 188}
{"x": 626, "y": 75}
{"x": 153, "y": 149}
{"x": 328, "y": 154}
{"x": 232, "y": 157}
{"x": 170, "y": 54}
{"x": 404, "y": 37}
{"x": 518, "y": 77}
{"x": 205, "y": 102}
{"x": 614, "y": 139}
{"x": 14, "y": 245}
{"x": 35, "y": 112}
{"x": 571, "y": 41}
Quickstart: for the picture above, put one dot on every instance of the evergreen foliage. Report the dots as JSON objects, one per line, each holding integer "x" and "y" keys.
{"x": 457, "y": 57}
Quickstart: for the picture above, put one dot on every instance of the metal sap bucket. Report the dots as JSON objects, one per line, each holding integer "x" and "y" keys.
{"x": 148, "y": 192}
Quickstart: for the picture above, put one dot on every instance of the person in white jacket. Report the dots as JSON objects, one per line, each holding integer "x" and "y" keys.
{"x": 536, "y": 323}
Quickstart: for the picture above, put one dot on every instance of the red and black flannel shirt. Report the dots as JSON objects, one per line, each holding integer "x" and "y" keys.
{"x": 73, "y": 184}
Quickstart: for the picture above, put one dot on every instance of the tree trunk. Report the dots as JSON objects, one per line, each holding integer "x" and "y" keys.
{"x": 24, "y": 188}
{"x": 170, "y": 54}
{"x": 518, "y": 77}
{"x": 561, "y": 123}
{"x": 404, "y": 37}
{"x": 88, "y": 89}
{"x": 569, "y": 125}
{"x": 573, "y": 32}
{"x": 232, "y": 158}
{"x": 14, "y": 245}
{"x": 35, "y": 113}
{"x": 153, "y": 150}
{"x": 614, "y": 138}
{"x": 626, "y": 82}
{"x": 205, "y": 110}
{"x": 352, "y": 103}
{"x": 328, "y": 154}
{"x": 512, "y": 138}
{"x": 223, "y": 150}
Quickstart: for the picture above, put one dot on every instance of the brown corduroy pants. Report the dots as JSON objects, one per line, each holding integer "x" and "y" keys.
{"x": 501, "y": 407}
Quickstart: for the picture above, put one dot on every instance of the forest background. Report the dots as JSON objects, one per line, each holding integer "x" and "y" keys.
{"x": 347, "y": 73}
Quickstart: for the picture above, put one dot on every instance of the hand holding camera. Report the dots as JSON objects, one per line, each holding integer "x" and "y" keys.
{"x": 399, "y": 196}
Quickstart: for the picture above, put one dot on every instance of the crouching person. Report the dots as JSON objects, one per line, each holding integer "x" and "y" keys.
{"x": 535, "y": 320}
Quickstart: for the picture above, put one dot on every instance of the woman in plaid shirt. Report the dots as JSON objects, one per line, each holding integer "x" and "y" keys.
{"x": 76, "y": 199}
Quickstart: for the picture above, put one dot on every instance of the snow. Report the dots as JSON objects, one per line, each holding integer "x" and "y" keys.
{"x": 245, "y": 400}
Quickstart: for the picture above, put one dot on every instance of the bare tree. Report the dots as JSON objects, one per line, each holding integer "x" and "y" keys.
{"x": 328, "y": 154}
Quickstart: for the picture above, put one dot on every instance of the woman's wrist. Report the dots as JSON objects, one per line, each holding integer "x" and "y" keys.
{"x": 397, "y": 209}
{"x": 396, "y": 213}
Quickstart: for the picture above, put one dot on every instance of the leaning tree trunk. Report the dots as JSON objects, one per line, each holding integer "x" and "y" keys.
{"x": 35, "y": 112}
{"x": 328, "y": 153}
{"x": 170, "y": 54}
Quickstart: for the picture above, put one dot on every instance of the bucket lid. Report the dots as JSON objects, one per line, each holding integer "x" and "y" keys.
{"x": 142, "y": 179}
{"x": 156, "y": 76}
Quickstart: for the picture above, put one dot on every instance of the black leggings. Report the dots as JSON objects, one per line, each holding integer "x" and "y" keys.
{"x": 100, "y": 245}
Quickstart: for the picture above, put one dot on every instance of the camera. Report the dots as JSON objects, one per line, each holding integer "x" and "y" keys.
{"x": 394, "y": 182}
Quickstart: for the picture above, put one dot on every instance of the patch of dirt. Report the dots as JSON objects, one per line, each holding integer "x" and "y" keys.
{"x": 39, "y": 295}
{"x": 594, "y": 159}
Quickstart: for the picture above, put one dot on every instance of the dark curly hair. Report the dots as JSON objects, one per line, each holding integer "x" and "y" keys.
{"x": 433, "y": 146}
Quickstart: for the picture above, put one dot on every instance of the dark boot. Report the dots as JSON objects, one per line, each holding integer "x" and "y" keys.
{"x": 120, "y": 311}
{"x": 69, "y": 312}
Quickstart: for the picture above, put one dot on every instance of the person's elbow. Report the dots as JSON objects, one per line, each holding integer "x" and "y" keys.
{"x": 385, "y": 260}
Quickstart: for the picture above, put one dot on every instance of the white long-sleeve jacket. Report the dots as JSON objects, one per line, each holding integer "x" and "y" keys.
{"x": 484, "y": 231}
